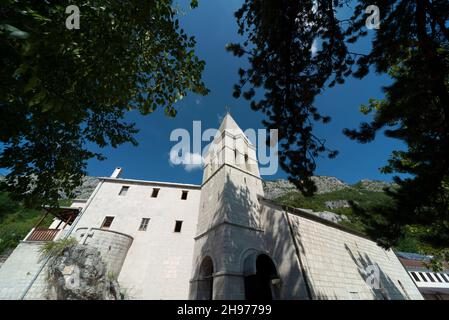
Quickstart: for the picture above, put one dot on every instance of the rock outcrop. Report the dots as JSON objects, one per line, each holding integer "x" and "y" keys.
{"x": 86, "y": 188}
{"x": 330, "y": 216}
{"x": 275, "y": 188}
{"x": 79, "y": 273}
{"x": 337, "y": 204}
{"x": 374, "y": 185}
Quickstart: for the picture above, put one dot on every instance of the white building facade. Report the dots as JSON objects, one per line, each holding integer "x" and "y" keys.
{"x": 217, "y": 240}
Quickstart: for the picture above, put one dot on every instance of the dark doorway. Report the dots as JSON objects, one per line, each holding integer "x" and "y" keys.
{"x": 258, "y": 286}
{"x": 206, "y": 280}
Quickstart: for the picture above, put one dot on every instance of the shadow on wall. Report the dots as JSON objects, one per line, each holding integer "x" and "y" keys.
{"x": 313, "y": 293}
{"x": 382, "y": 288}
{"x": 221, "y": 249}
{"x": 237, "y": 204}
{"x": 281, "y": 246}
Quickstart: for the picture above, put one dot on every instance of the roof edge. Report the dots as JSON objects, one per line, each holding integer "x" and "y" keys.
{"x": 311, "y": 216}
{"x": 149, "y": 182}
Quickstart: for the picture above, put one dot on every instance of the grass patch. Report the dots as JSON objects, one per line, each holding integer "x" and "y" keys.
{"x": 16, "y": 221}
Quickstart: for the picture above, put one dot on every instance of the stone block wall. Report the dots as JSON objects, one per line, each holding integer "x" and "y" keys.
{"x": 342, "y": 265}
{"x": 112, "y": 245}
{"x": 18, "y": 271}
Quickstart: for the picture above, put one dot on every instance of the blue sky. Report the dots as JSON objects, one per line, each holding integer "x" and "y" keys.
{"x": 213, "y": 25}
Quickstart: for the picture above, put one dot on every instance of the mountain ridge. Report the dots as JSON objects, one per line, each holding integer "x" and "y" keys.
{"x": 272, "y": 188}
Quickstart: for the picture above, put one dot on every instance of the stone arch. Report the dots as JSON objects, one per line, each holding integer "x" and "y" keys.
{"x": 260, "y": 274}
{"x": 205, "y": 279}
{"x": 248, "y": 261}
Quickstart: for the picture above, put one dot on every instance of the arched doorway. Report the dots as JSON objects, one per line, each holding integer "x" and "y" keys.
{"x": 206, "y": 280}
{"x": 258, "y": 286}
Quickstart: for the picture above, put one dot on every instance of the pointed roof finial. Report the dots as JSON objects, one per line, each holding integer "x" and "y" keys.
{"x": 228, "y": 109}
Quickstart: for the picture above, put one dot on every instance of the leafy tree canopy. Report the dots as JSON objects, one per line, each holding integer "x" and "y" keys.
{"x": 61, "y": 88}
{"x": 296, "y": 49}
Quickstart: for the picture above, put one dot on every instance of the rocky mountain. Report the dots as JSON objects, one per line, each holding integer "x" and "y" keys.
{"x": 83, "y": 191}
{"x": 373, "y": 185}
{"x": 276, "y": 188}
{"x": 86, "y": 188}
{"x": 273, "y": 188}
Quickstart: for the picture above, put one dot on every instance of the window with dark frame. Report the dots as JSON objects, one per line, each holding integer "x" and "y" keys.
{"x": 184, "y": 195}
{"x": 107, "y": 222}
{"x": 144, "y": 224}
{"x": 178, "y": 226}
{"x": 123, "y": 191}
{"x": 155, "y": 192}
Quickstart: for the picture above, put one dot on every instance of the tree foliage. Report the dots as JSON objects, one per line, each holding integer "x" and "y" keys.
{"x": 62, "y": 89}
{"x": 411, "y": 44}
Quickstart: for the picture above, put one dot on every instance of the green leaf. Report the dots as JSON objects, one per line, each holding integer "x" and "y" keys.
{"x": 193, "y": 4}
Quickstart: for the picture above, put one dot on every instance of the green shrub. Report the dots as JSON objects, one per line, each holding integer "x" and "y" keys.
{"x": 54, "y": 249}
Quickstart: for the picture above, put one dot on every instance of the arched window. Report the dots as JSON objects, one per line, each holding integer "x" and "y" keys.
{"x": 206, "y": 280}
{"x": 259, "y": 285}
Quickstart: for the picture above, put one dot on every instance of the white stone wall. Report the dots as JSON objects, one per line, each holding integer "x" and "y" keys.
{"x": 113, "y": 246}
{"x": 18, "y": 271}
{"x": 334, "y": 260}
{"x": 158, "y": 263}
{"x": 280, "y": 247}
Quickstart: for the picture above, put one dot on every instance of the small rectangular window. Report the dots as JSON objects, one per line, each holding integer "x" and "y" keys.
{"x": 178, "y": 226}
{"x": 430, "y": 277}
{"x": 155, "y": 192}
{"x": 107, "y": 222}
{"x": 123, "y": 191}
{"x": 144, "y": 224}
{"x": 414, "y": 275}
{"x": 184, "y": 195}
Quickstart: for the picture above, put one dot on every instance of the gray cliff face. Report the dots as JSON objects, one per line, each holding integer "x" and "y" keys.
{"x": 81, "y": 274}
{"x": 374, "y": 185}
{"x": 275, "y": 188}
{"x": 83, "y": 191}
{"x": 87, "y": 187}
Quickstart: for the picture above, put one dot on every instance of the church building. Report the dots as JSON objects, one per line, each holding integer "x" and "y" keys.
{"x": 218, "y": 240}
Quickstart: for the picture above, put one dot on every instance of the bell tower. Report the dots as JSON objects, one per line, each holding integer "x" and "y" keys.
{"x": 228, "y": 221}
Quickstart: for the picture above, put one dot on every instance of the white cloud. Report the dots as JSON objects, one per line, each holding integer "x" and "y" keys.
{"x": 190, "y": 161}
